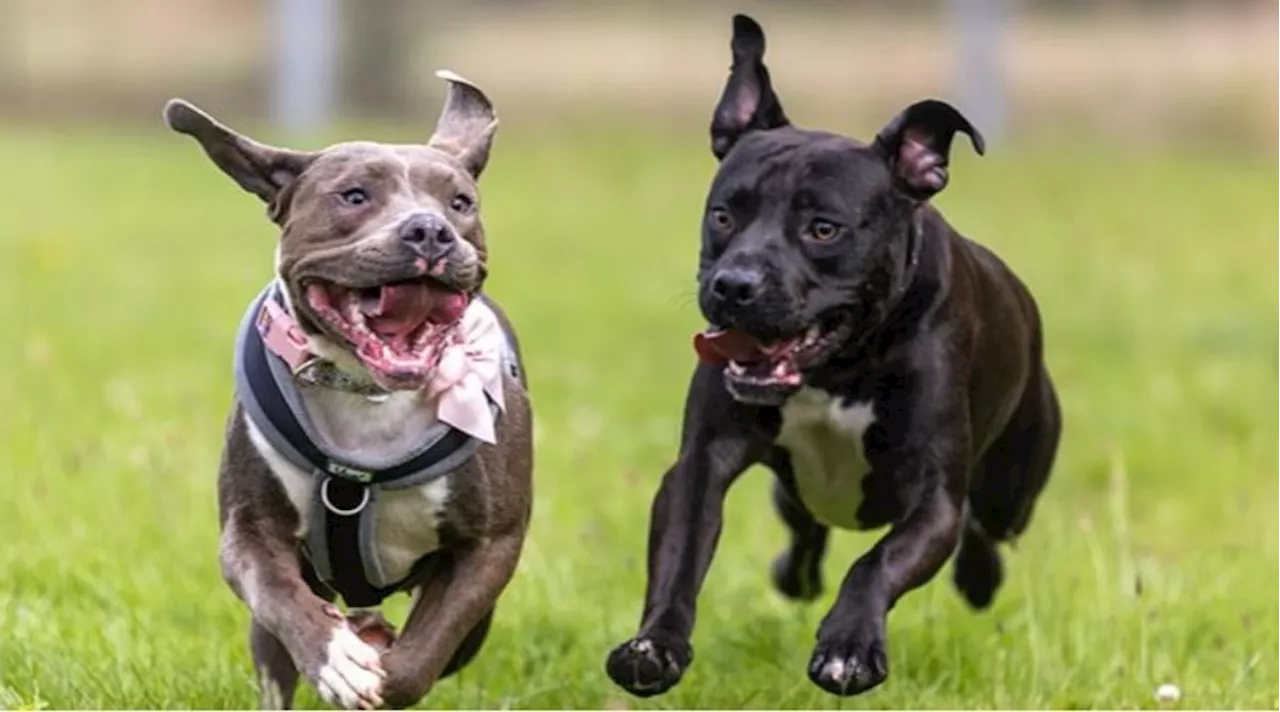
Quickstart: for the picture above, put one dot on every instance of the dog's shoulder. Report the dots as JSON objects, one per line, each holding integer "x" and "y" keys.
{"x": 245, "y": 475}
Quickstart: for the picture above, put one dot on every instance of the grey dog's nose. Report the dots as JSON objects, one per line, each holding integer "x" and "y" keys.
{"x": 736, "y": 286}
{"x": 427, "y": 233}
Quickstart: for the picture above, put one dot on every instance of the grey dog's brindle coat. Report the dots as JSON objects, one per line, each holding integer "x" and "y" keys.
{"x": 482, "y": 526}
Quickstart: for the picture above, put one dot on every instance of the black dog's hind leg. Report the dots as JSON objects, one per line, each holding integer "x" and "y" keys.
{"x": 978, "y": 568}
{"x": 797, "y": 569}
{"x": 1007, "y": 481}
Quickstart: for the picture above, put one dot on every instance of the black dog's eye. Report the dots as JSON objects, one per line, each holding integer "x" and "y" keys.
{"x": 721, "y": 220}
{"x": 462, "y": 203}
{"x": 823, "y": 230}
{"x": 354, "y": 196}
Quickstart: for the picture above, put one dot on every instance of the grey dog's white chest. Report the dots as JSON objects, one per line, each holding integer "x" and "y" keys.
{"x": 823, "y": 435}
{"x": 406, "y": 521}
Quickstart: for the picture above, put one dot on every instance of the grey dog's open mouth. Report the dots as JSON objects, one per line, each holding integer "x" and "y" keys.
{"x": 397, "y": 330}
{"x": 749, "y": 361}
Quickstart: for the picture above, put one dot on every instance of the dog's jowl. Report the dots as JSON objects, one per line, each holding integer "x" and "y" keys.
{"x": 380, "y": 439}
{"x": 889, "y": 371}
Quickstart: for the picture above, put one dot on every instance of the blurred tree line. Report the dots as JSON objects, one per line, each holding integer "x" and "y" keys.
{"x": 378, "y": 34}
{"x": 122, "y": 58}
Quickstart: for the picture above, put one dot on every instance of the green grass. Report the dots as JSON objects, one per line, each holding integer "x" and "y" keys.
{"x": 126, "y": 261}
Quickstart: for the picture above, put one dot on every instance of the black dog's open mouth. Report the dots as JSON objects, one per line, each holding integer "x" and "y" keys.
{"x": 751, "y": 364}
{"x": 398, "y": 330}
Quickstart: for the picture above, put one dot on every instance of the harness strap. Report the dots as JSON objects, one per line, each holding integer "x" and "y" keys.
{"x": 346, "y": 539}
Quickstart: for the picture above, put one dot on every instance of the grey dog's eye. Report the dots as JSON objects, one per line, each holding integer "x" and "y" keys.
{"x": 461, "y": 203}
{"x": 354, "y": 196}
{"x": 721, "y": 219}
{"x": 823, "y": 230}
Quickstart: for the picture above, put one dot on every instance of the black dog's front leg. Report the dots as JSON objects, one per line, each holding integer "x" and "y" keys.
{"x": 851, "y": 655}
{"x": 684, "y": 529}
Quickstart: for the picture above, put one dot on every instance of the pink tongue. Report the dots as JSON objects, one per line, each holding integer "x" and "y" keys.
{"x": 449, "y": 306}
{"x": 718, "y": 347}
{"x": 402, "y": 308}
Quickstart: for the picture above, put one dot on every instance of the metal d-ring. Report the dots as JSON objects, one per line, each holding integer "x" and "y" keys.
{"x": 324, "y": 497}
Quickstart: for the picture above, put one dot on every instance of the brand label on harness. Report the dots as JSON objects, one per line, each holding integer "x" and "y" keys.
{"x": 351, "y": 473}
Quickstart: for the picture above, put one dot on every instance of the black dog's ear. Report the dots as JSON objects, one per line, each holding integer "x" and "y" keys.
{"x": 467, "y": 124}
{"x": 748, "y": 102}
{"x": 917, "y": 145}
{"x": 259, "y": 169}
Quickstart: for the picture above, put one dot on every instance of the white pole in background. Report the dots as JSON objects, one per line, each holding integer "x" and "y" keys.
{"x": 979, "y": 25}
{"x": 302, "y": 90}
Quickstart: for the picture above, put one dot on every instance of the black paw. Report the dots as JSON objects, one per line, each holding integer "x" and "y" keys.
{"x": 795, "y": 580}
{"x": 645, "y": 667}
{"x": 850, "y": 667}
{"x": 978, "y": 570}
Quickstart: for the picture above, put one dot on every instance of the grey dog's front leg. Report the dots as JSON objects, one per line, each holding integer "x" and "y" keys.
{"x": 276, "y": 673}
{"x": 457, "y": 597}
{"x": 260, "y": 563}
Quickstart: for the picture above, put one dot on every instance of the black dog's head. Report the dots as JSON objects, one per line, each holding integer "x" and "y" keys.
{"x": 807, "y": 236}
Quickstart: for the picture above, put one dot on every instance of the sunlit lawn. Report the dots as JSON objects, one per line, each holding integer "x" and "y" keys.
{"x": 126, "y": 261}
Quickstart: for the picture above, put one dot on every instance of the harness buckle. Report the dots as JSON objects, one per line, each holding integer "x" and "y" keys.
{"x": 329, "y": 505}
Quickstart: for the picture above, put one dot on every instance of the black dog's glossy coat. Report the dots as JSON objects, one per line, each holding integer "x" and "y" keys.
{"x": 934, "y": 330}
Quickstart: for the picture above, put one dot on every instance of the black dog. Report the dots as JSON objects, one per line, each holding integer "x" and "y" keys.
{"x": 888, "y": 370}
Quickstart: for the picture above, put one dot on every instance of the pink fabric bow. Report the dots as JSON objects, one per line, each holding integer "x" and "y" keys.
{"x": 470, "y": 373}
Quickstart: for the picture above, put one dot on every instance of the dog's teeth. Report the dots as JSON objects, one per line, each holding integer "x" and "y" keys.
{"x": 812, "y": 335}
{"x": 424, "y": 335}
{"x": 351, "y": 310}
{"x": 736, "y": 368}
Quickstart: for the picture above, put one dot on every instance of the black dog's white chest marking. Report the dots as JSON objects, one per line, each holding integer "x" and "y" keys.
{"x": 823, "y": 434}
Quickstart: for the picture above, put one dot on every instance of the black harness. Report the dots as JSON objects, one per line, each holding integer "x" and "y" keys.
{"x": 340, "y": 541}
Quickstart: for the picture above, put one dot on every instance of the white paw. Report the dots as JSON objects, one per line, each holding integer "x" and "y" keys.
{"x": 351, "y": 676}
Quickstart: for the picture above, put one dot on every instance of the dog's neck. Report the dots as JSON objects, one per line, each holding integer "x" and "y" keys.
{"x": 466, "y": 385}
{"x": 897, "y": 302}
{"x": 353, "y": 413}
{"x": 388, "y": 429}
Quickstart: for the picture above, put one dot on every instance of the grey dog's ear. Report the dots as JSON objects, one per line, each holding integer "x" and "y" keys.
{"x": 917, "y": 145}
{"x": 467, "y": 124}
{"x": 748, "y": 102}
{"x": 260, "y": 169}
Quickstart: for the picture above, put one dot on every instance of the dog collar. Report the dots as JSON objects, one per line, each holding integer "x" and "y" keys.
{"x": 284, "y": 338}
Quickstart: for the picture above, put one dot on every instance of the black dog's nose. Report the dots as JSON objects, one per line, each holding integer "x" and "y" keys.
{"x": 427, "y": 233}
{"x": 736, "y": 286}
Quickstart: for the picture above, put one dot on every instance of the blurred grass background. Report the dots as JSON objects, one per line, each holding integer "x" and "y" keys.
{"x": 1133, "y": 192}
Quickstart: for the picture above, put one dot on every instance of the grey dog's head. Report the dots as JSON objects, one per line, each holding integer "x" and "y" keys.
{"x": 381, "y": 246}
{"x": 806, "y": 235}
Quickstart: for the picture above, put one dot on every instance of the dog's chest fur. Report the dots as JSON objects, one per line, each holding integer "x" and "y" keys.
{"x": 823, "y": 435}
{"x": 406, "y": 520}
